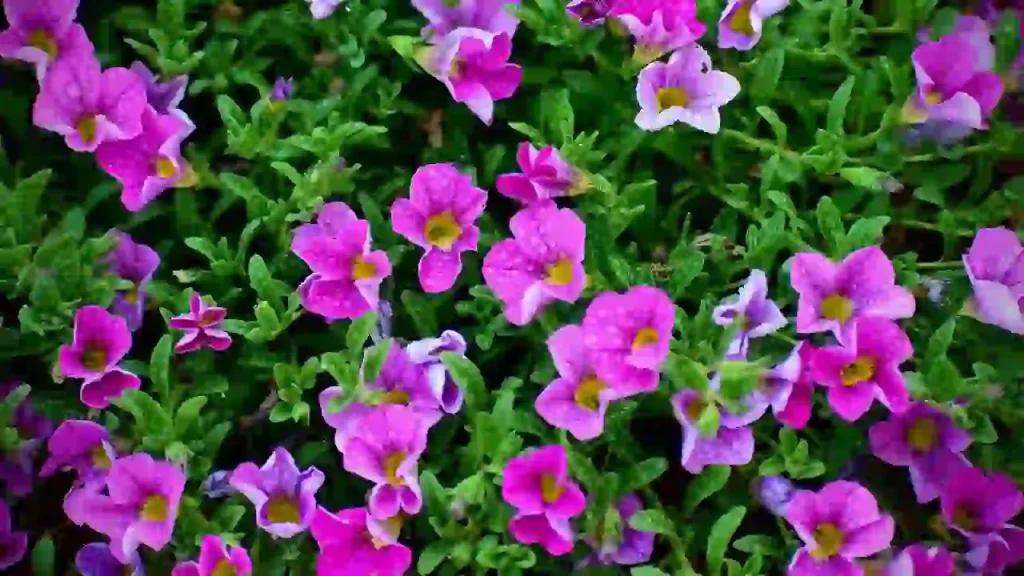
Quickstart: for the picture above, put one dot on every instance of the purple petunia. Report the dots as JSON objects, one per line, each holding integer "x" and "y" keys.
{"x": 163, "y": 97}
{"x": 284, "y": 497}
{"x": 753, "y": 313}
{"x": 100, "y": 341}
{"x": 136, "y": 263}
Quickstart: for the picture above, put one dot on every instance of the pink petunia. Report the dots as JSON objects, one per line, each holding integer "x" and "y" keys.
{"x": 797, "y": 410}
{"x": 538, "y": 485}
{"x": 543, "y": 261}
{"x": 995, "y": 267}
{"x": 284, "y": 496}
{"x": 203, "y": 326}
{"x": 216, "y": 559}
{"x": 685, "y": 89}
{"x": 42, "y": 32}
{"x": 82, "y": 446}
{"x": 545, "y": 175}
{"x": 440, "y": 216}
{"x": 916, "y": 560}
{"x": 659, "y": 26}
{"x": 494, "y": 16}
{"x": 347, "y": 546}
{"x": 135, "y": 262}
{"x": 980, "y": 507}
{"x": 100, "y": 341}
{"x": 742, "y": 21}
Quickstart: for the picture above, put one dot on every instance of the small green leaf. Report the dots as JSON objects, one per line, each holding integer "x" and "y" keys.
{"x": 939, "y": 341}
{"x": 710, "y": 420}
{"x": 646, "y": 571}
{"x": 434, "y": 496}
{"x": 654, "y": 521}
{"x": 830, "y": 224}
{"x": 43, "y": 557}
{"x": 188, "y": 414}
{"x": 432, "y": 556}
{"x": 865, "y": 177}
{"x": 778, "y": 126}
{"x": 374, "y": 358}
{"x": 866, "y": 232}
{"x": 359, "y": 332}
{"x": 837, "y": 107}
{"x": 160, "y": 366}
{"x": 767, "y": 74}
{"x": 643, "y": 473}
{"x": 721, "y": 535}
{"x": 468, "y": 377}
{"x": 710, "y": 481}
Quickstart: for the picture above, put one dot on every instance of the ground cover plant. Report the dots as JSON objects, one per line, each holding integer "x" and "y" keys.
{"x": 377, "y": 287}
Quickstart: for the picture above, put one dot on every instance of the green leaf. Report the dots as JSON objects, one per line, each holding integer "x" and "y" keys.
{"x": 465, "y": 373}
{"x": 359, "y": 332}
{"x": 685, "y": 373}
{"x": 685, "y": 264}
{"x": 939, "y": 341}
{"x": 721, "y": 535}
{"x": 866, "y": 232}
{"x": 188, "y": 414}
{"x": 646, "y": 571}
{"x": 709, "y": 421}
{"x": 1008, "y": 39}
{"x": 267, "y": 318}
{"x": 837, "y": 107}
{"x": 830, "y": 224}
{"x": 865, "y": 177}
{"x": 43, "y": 557}
{"x": 160, "y": 366}
{"x": 778, "y": 126}
{"x": 709, "y": 482}
{"x": 767, "y": 74}
{"x": 374, "y": 358}
{"x": 434, "y": 496}
{"x": 654, "y": 521}
{"x": 11, "y": 402}
{"x": 260, "y": 279}
{"x": 643, "y": 473}
{"x": 432, "y": 556}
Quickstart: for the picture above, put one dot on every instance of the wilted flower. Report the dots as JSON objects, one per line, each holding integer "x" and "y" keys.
{"x": 82, "y": 446}
{"x": 590, "y": 12}
{"x": 348, "y": 547}
{"x": 731, "y": 444}
{"x": 774, "y": 493}
{"x": 284, "y": 498}
{"x": 42, "y": 32}
{"x": 385, "y": 450}
{"x": 832, "y": 295}
{"x": 203, "y": 326}
{"x": 136, "y": 263}
{"x": 543, "y": 261}
{"x": 786, "y": 388}
{"x": 218, "y": 484}
{"x": 109, "y": 107}
{"x": 492, "y": 16}
{"x": 96, "y": 559}
{"x": 427, "y": 354}
{"x": 976, "y": 504}
{"x": 13, "y": 543}
{"x": 926, "y": 440}
{"x": 685, "y": 90}
{"x": 839, "y": 523}
{"x": 473, "y": 65}
{"x": 659, "y": 26}
{"x": 537, "y": 484}
{"x": 439, "y": 215}
{"x": 995, "y": 266}
{"x": 751, "y": 310}
{"x": 631, "y": 546}
{"x": 866, "y": 368}
{"x": 628, "y": 337}
{"x": 101, "y": 340}
{"x": 545, "y": 175}
{"x": 163, "y": 97}
{"x": 346, "y": 274}
{"x": 323, "y": 8}
{"x": 742, "y": 21}
{"x": 216, "y": 559}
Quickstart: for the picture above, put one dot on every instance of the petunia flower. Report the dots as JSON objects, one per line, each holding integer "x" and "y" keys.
{"x": 742, "y": 21}
{"x": 216, "y": 559}
{"x": 218, "y": 484}
{"x": 627, "y": 548}
{"x": 538, "y": 485}
{"x": 89, "y": 106}
{"x": 82, "y": 446}
{"x": 140, "y": 505}
{"x": 284, "y": 498}
{"x": 774, "y": 493}
{"x": 473, "y": 65}
{"x": 577, "y": 400}
{"x": 385, "y": 450}
{"x": 426, "y": 353}
{"x": 659, "y": 26}
{"x": 590, "y": 12}
{"x": 832, "y": 295}
{"x": 980, "y": 507}
{"x": 96, "y": 559}
{"x": 555, "y": 535}
{"x": 732, "y": 444}
{"x": 163, "y": 97}
{"x": 542, "y": 262}
{"x": 628, "y": 337}
{"x": 995, "y": 266}
{"x": 282, "y": 90}
{"x": 545, "y": 175}
{"x": 348, "y": 547}
{"x": 685, "y": 90}
{"x": 151, "y": 162}
{"x": 13, "y": 543}
{"x": 977, "y": 31}
{"x": 494, "y": 16}
{"x": 752, "y": 311}
{"x": 203, "y": 326}
{"x": 323, "y": 8}
{"x": 136, "y": 263}
{"x": 42, "y": 32}
{"x": 865, "y": 368}
{"x": 100, "y": 341}
{"x": 839, "y": 523}
{"x": 926, "y": 440}
{"x": 346, "y": 274}
{"x": 916, "y": 560}
{"x": 439, "y": 216}
{"x": 786, "y": 389}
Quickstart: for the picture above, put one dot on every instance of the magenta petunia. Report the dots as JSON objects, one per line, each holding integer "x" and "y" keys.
{"x": 797, "y": 411}
{"x": 832, "y": 295}
{"x": 685, "y": 90}
{"x": 100, "y": 341}
{"x": 284, "y": 497}
{"x": 742, "y": 21}
{"x": 732, "y": 444}
{"x": 494, "y": 16}
{"x": 439, "y": 216}
{"x": 555, "y": 535}
{"x": 134, "y": 262}
{"x": 590, "y": 12}
{"x": 216, "y": 559}
{"x": 82, "y": 446}
{"x": 13, "y": 543}
{"x": 385, "y": 450}
{"x": 89, "y": 106}
{"x": 628, "y": 337}
{"x": 659, "y": 26}
{"x": 865, "y": 368}
{"x": 347, "y": 546}
{"x": 542, "y": 262}
{"x": 139, "y": 504}
{"x": 545, "y": 175}
{"x": 926, "y": 440}
{"x": 838, "y": 524}
{"x": 346, "y": 273}
{"x": 995, "y": 266}
{"x": 916, "y": 560}
{"x": 538, "y": 482}
{"x": 627, "y": 547}
{"x": 473, "y": 65}
{"x": 754, "y": 314}
{"x": 203, "y": 326}
{"x": 163, "y": 97}
{"x": 42, "y": 32}
{"x": 426, "y": 353}
{"x": 151, "y": 162}
{"x": 980, "y": 507}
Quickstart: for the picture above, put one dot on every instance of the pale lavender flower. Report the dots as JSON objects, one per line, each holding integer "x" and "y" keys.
{"x": 685, "y": 90}
{"x": 136, "y": 263}
{"x": 282, "y": 90}
{"x": 752, "y": 311}
{"x": 427, "y": 353}
{"x": 774, "y": 493}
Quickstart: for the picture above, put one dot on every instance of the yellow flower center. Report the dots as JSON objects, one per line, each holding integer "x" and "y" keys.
{"x": 860, "y": 370}
{"x": 224, "y": 568}
{"x": 100, "y": 458}
{"x": 645, "y": 337}
{"x": 394, "y": 527}
{"x": 560, "y": 273}
{"x": 87, "y": 129}
{"x": 282, "y": 509}
{"x": 442, "y": 230}
{"x": 131, "y": 295}
{"x": 922, "y": 434}
{"x": 391, "y": 464}
{"x": 455, "y": 69}
{"x": 550, "y": 490}
{"x": 964, "y": 518}
{"x": 94, "y": 359}
{"x": 670, "y": 97}
{"x": 154, "y": 509}
{"x": 933, "y": 97}
{"x": 740, "y": 22}
{"x": 165, "y": 167}
{"x": 394, "y": 397}
{"x": 588, "y": 392}
{"x": 742, "y": 321}
{"x": 363, "y": 270}
{"x": 838, "y": 308}
{"x": 828, "y": 540}
{"x": 41, "y": 40}
{"x": 695, "y": 409}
